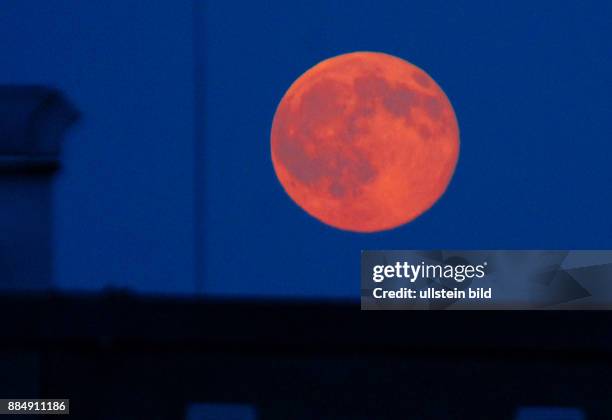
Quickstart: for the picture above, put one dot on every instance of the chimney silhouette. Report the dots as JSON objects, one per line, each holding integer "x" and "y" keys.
{"x": 33, "y": 120}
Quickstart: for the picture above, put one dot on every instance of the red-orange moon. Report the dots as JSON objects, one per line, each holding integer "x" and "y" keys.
{"x": 365, "y": 141}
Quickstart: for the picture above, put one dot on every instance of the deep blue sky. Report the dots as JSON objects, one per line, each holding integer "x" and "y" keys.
{"x": 123, "y": 201}
{"x": 531, "y": 84}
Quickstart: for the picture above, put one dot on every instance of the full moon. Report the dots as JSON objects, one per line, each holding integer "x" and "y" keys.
{"x": 364, "y": 142}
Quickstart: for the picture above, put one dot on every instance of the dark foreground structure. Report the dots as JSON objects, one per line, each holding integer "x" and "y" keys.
{"x": 125, "y": 357}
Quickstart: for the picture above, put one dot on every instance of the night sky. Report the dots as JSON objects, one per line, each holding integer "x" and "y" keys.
{"x": 531, "y": 84}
